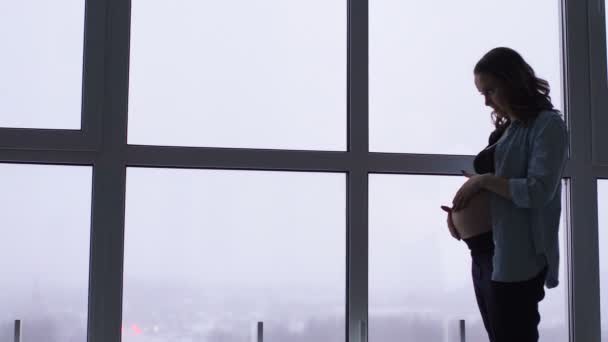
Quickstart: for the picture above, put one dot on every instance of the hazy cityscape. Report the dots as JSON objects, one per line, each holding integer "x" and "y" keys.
{"x": 286, "y": 269}
{"x": 190, "y": 318}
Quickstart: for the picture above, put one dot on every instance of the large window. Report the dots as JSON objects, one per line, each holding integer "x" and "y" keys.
{"x": 185, "y": 170}
{"x": 260, "y": 74}
{"x": 422, "y": 54}
{"x": 209, "y": 254}
{"x": 420, "y": 277}
{"x": 44, "y": 251}
{"x": 41, "y": 63}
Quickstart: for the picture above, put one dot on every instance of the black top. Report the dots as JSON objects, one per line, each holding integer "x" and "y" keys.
{"x": 484, "y": 161}
{"x": 482, "y": 245}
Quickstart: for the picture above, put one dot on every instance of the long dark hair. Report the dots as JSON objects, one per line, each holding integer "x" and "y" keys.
{"x": 526, "y": 94}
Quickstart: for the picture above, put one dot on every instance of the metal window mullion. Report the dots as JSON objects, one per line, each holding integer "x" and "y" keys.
{"x": 600, "y": 171}
{"x": 109, "y": 182}
{"x": 42, "y": 139}
{"x": 357, "y": 178}
{"x": 599, "y": 79}
{"x": 47, "y": 157}
{"x": 427, "y": 164}
{"x": 357, "y": 254}
{"x": 107, "y": 236}
{"x": 582, "y": 235}
{"x": 93, "y": 73}
{"x": 584, "y": 260}
{"x": 285, "y": 160}
{"x": 238, "y": 158}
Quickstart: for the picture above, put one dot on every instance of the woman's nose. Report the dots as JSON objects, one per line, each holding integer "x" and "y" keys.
{"x": 488, "y": 101}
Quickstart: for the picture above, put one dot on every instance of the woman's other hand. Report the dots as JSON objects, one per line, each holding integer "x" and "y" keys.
{"x": 451, "y": 226}
{"x": 471, "y": 187}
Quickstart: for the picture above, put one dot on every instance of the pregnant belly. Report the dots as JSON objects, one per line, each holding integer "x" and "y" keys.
{"x": 475, "y": 218}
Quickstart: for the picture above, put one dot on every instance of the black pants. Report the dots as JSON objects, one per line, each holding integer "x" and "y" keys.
{"x": 482, "y": 251}
{"x": 509, "y": 310}
{"x": 515, "y": 314}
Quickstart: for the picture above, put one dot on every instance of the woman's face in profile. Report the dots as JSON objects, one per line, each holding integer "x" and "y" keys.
{"x": 493, "y": 94}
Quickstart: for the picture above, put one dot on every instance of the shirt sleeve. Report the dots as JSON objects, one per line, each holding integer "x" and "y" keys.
{"x": 545, "y": 166}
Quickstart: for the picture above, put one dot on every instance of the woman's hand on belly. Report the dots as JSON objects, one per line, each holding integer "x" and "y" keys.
{"x": 475, "y": 218}
{"x": 469, "y": 189}
{"x": 450, "y": 222}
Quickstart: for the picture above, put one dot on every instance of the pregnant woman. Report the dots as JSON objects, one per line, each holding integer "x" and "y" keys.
{"x": 508, "y": 213}
{"x": 473, "y": 225}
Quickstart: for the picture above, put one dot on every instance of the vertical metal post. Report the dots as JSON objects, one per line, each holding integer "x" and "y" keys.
{"x": 109, "y": 177}
{"x": 585, "y": 76}
{"x": 462, "y": 331}
{"x": 260, "y": 332}
{"x": 17, "y": 331}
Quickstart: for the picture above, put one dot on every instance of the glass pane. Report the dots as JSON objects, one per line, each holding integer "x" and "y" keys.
{"x": 212, "y": 253}
{"x": 41, "y": 63}
{"x": 253, "y": 74}
{"x": 422, "y": 54}
{"x": 602, "y": 191}
{"x": 420, "y": 283}
{"x": 44, "y": 251}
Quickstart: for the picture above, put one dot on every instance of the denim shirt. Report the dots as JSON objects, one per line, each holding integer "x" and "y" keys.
{"x": 532, "y": 157}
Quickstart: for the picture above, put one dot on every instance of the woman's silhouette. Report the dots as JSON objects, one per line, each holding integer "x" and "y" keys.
{"x": 520, "y": 175}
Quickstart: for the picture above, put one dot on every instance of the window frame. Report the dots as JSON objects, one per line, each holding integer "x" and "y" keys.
{"x": 87, "y": 137}
{"x": 102, "y": 143}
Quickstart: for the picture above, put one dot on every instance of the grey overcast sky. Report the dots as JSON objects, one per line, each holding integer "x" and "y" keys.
{"x": 208, "y": 253}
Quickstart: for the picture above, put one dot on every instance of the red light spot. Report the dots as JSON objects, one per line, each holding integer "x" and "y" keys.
{"x": 136, "y": 329}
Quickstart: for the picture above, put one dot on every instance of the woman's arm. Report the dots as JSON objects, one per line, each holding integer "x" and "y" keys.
{"x": 495, "y": 184}
{"x": 545, "y": 166}
{"x": 476, "y": 183}
{"x": 544, "y": 172}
